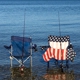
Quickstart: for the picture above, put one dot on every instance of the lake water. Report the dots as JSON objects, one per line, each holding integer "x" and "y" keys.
{"x": 41, "y": 20}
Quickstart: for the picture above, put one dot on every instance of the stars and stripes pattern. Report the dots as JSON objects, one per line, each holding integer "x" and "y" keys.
{"x": 58, "y": 48}
{"x": 58, "y": 38}
{"x": 58, "y": 54}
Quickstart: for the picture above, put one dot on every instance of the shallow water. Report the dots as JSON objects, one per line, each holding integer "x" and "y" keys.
{"x": 40, "y": 73}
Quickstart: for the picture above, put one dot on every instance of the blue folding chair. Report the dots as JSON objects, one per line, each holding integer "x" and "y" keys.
{"x": 21, "y": 50}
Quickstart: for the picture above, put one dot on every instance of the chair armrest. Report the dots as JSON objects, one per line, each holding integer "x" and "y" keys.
{"x": 7, "y": 47}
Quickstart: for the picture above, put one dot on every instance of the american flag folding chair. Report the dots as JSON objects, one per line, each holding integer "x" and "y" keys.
{"x": 60, "y": 49}
{"x": 20, "y": 50}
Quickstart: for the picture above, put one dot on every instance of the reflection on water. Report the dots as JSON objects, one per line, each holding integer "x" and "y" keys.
{"x": 38, "y": 73}
{"x": 17, "y": 74}
{"x": 57, "y": 74}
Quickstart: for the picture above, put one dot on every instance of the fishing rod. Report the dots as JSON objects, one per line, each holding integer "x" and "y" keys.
{"x": 23, "y": 36}
{"x": 59, "y": 29}
{"x": 59, "y": 24}
{"x": 60, "y": 36}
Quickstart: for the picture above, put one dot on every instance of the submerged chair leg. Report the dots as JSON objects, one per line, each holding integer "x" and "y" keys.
{"x": 11, "y": 61}
{"x": 48, "y": 65}
{"x": 61, "y": 64}
{"x": 56, "y": 62}
{"x": 31, "y": 60}
{"x": 67, "y": 63}
{"x": 11, "y": 58}
{"x": 31, "y": 63}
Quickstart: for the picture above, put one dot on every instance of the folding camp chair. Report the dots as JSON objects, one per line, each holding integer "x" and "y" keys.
{"x": 21, "y": 50}
{"x": 59, "y": 50}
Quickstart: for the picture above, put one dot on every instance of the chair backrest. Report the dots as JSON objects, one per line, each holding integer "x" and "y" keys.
{"x": 59, "y": 44}
{"x": 59, "y": 41}
{"x": 21, "y": 46}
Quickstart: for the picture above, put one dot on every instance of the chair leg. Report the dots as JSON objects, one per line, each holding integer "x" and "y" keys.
{"x": 48, "y": 65}
{"x": 56, "y": 62}
{"x": 11, "y": 61}
{"x": 67, "y": 63}
{"x": 31, "y": 63}
{"x": 61, "y": 64}
{"x": 31, "y": 66}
